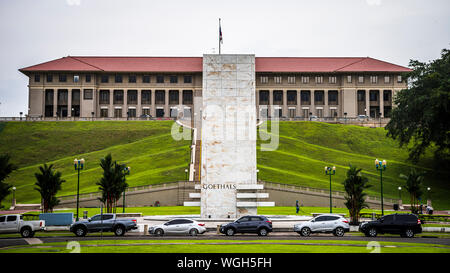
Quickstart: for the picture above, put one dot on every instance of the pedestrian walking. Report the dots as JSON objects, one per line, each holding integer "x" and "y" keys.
{"x": 297, "y": 207}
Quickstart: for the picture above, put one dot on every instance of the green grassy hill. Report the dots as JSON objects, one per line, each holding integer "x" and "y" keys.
{"x": 305, "y": 148}
{"x": 146, "y": 146}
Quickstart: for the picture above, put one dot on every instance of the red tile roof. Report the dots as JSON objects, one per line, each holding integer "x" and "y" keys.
{"x": 194, "y": 64}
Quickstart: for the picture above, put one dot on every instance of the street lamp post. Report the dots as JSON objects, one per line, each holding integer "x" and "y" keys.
{"x": 186, "y": 172}
{"x": 330, "y": 171}
{"x": 79, "y": 165}
{"x": 381, "y": 166}
{"x": 14, "y": 197}
{"x": 257, "y": 171}
{"x": 399, "y": 193}
{"x": 127, "y": 172}
{"x": 428, "y": 195}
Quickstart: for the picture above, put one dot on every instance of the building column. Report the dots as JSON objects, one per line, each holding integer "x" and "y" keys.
{"x": 299, "y": 105}
{"x": 381, "y": 103}
{"x": 326, "y": 110}
{"x": 153, "y": 105}
{"x": 55, "y": 102}
{"x": 166, "y": 104}
{"x": 138, "y": 106}
{"x": 312, "y": 108}
{"x": 257, "y": 104}
{"x": 111, "y": 103}
{"x": 69, "y": 102}
{"x": 125, "y": 104}
{"x": 284, "y": 107}
{"x": 270, "y": 105}
{"x": 367, "y": 102}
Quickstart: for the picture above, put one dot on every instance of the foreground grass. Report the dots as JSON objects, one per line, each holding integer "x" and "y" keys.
{"x": 226, "y": 246}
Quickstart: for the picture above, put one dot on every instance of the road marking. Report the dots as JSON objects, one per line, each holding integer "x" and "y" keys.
{"x": 33, "y": 241}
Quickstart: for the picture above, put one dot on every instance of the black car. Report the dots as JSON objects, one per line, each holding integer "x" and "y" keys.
{"x": 404, "y": 224}
{"x": 248, "y": 224}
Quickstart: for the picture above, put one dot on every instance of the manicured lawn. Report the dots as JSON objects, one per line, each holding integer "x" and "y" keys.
{"x": 155, "y": 157}
{"x": 305, "y": 148}
{"x": 146, "y": 146}
{"x": 226, "y": 246}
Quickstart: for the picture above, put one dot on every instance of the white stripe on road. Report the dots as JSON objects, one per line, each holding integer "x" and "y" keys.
{"x": 33, "y": 241}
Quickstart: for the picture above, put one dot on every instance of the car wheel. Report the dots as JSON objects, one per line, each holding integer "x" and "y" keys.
{"x": 372, "y": 232}
{"x": 119, "y": 231}
{"x": 262, "y": 232}
{"x": 305, "y": 231}
{"x": 159, "y": 232}
{"x": 193, "y": 232}
{"x": 409, "y": 233}
{"x": 339, "y": 232}
{"x": 230, "y": 232}
{"x": 80, "y": 231}
{"x": 26, "y": 232}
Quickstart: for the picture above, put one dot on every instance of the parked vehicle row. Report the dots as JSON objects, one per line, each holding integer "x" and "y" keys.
{"x": 406, "y": 225}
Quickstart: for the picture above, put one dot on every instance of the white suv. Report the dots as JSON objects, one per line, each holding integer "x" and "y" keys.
{"x": 325, "y": 223}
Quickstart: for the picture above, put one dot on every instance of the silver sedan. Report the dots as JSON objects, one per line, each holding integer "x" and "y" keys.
{"x": 178, "y": 227}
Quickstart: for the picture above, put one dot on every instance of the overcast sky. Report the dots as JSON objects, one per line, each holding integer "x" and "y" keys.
{"x": 35, "y": 31}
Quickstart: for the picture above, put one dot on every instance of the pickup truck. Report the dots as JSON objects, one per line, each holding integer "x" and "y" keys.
{"x": 14, "y": 223}
{"x": 103, "y": 222}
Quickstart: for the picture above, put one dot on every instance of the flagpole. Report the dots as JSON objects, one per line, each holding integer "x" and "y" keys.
{"x": 219, "y": 35}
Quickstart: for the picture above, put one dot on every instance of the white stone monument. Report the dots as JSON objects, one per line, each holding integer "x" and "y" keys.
{"x": 228, "y": 159}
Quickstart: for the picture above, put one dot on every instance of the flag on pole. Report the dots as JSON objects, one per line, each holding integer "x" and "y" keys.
{"x": 220, "y": 33}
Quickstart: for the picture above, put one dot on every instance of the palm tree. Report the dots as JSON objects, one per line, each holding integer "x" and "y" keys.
{"x": 112, "y": 184}
{"x": 48, "y": 184}
{"x": 354, "y": 186}
{"x": 6, "y": 169}
{"x": 414, "y": 187}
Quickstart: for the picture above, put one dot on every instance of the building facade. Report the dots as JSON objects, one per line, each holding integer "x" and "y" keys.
{"x": 133, "y": 87}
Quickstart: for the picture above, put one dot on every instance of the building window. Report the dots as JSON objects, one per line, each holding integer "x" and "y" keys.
{"x": 291, "y": 79}
{"x": 187, "y": 97}
{"x": 277, "y": 79}
{"x": 105, "y": 78}
{"x": 332, "y": 97}
{"x": 319, "y": 79}
{"x": 49, "y": 78}
{"x": 399, "y": 79}
{"x": 159, "y": 79}
{"x": 160, "y": 96}
{"x": 118, "y": 78}
{"x": 132, "y": 78}
{"x": 361, "y": 79}
{"x": 373, "y": 79}
{"x": 118, "y": 97}
{"x": 117, "y": 113}
{"x": 62, "y": 78}
{"x": 305, "y": 79}
{"x": 103, "y": 113}
{"x": 146, "y": 97}
{"x": 264, "y": 79}
{"x": 278, "y": 97}
{"x": 387, "y": 95}
{"x": 373, "y": 95}
{"x": 87, "y": 94}
{"x": 292, "y": 97}
{"x": 349, "y": 79}
{"x": 76, "y": 78}
{"x": 145, "y": 111}
{"x": 173, "y": 79}
{"x": 37, "y": 78}
{"x": 173, "y": 97}
{"x": 332, "y": 79}
{"x": 132, "y": 97}
{"x": 146, "y": 79}
{"x": 88, "y": 78}
{"x": 387, "y": 79}
{"x": 188, "y": 79}
{"x": 264, "y": 97}
{"x": 319, "y": 97}
{"x": 104, "y": 96}
{"x": 132, "y": 112}
{"x": 305, "y": 96}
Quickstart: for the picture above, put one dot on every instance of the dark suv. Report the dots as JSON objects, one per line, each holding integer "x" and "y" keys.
{"x": 248, "y": 224}
{"x": 404, "y": 224}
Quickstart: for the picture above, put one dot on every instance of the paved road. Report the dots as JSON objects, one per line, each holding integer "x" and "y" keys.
{"x": 5, "y": 242}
